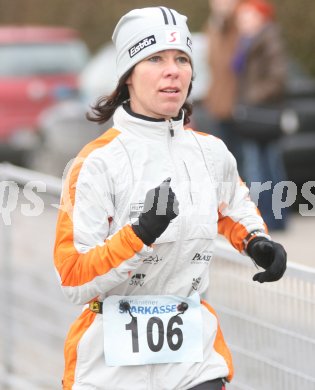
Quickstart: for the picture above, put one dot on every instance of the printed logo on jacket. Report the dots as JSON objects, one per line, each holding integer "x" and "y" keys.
{"x": 135, "y": 210}
{"x": 201, "y": 257}
{"x": 196, "y": 283}
{"x": 152, "y": 260}
{"x": 137, "y": 280}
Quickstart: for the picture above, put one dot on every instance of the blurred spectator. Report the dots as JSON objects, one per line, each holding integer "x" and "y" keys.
{"x": 63, "y": 130}
{"x": 222, "y": 37}
{"x": 260, "y": 65}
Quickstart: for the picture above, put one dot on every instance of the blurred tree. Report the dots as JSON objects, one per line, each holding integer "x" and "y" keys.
{"x": 297, "y": 19}
{"x": 95, "y": 19}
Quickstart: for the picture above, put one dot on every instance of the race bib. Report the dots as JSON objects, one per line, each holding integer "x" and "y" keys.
{"x": 152, "y": 329}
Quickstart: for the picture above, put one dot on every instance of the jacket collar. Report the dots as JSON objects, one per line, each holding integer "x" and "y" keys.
{"x": 127, "y": 121}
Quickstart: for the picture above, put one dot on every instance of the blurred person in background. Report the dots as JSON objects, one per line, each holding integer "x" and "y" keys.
{"x": 140, "y": 210}
{"x": 260, "y": 66}
{"x": 222, "y": 35}
{"x": 62, "y": 128}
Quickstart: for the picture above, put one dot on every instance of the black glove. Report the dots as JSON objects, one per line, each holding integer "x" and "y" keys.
{"x": 269, "y": 255}
{"x": 160, "y": 207}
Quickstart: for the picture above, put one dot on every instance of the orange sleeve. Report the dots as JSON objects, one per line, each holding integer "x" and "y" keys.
{"x": 81, "y": 267}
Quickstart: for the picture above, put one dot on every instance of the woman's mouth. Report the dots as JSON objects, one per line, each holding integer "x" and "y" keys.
{"x": 170, "y": 90}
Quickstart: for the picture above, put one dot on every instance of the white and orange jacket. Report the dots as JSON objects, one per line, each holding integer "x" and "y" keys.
{"x": 97, "y": 253}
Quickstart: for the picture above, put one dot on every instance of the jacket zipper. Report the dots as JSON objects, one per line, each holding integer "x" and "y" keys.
{"x": 170, "y": 127}
{"x": 189, "y": 179}
{"x": 171, "y": 131}
{"x": 178, "y": 243}
{"x": 181, "y": 222}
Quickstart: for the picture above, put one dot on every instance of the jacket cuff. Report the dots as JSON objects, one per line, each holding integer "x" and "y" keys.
{"x": 252, "y": 235}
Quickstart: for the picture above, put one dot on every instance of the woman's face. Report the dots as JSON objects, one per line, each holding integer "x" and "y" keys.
{"x": 223, "y": 7}
{"x": 249, "y": 21}
{"x": 158, "y": 85}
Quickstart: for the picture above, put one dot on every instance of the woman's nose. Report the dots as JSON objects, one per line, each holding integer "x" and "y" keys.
{"x": 171, "y": 69}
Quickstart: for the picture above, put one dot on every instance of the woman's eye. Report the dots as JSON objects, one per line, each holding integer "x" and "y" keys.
{"x": 183, "y": 60}
{"x": 154, "y": 59}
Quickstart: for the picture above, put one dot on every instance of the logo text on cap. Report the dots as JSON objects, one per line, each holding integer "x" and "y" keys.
{"x": 189, "y": 43}
{"x": 172, "y": 36}
{"x": 145, "y": 42}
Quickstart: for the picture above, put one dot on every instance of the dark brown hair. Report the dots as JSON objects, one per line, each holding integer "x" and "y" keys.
{"x": 105, "y": 106}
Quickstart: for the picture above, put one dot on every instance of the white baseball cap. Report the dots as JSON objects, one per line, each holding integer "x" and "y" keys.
{"x": 145, "y": 31}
